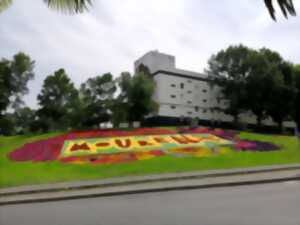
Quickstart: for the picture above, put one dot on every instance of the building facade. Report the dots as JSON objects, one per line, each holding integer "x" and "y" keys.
{"x": 186, "y": 94}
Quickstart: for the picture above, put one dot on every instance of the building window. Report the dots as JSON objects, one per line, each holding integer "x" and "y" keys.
{"x": 173, "y": 107}
{"x": 218, "y": 100}
{"x": 173, "y": 96}
{"x": 189, "y": 102}
{"x": 182, "y": 85}
{"x": 189, "y": 92}
{"x": 173, "y": 85}
{"x": 190, "y": 113}
{"x": 204, "y": 91}
{"x": 204, "y": 100}
{"x": 189, "y": 81}
{"x": 197, "y": 108}
{"x": 204, "y": 110}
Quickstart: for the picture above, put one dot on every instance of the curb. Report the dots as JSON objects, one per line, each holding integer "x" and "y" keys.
{"x": 149, "y": 184}
{"x": 152, "y": 190}
{"x": 151, "y": 179}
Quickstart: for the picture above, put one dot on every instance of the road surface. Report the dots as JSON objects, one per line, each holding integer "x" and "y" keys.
{"x": 271, "y": 204}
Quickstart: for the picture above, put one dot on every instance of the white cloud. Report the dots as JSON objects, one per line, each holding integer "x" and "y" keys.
{"x": 116, "y": 32}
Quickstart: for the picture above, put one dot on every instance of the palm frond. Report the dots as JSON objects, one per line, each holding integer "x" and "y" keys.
{"x": 69, "y": 6}
{"x": 4, "y": 4}
{"x": 286, "y": 6}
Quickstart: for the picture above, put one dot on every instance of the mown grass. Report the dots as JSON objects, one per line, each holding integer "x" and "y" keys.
{"x": 28, "y": 173}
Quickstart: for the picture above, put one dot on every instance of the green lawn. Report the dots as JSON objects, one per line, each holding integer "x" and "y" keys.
{"x": 17, "y": 174}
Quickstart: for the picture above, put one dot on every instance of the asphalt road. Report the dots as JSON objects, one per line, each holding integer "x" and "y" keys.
{"x": 270, "y": 204}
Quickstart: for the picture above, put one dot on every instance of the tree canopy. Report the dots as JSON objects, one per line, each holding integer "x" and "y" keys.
{"x": 297, "y": 97}
{"x": 249, "y": 80}
{"x": 135, "y": 99}
{"x": 14, "y": 77}
{"x": 264, "y": 74}
{"x": 229, "y": 69}
{"x": 96, "y": 96}
{"x": 254, "y": 80}
{"x": 57, "y": 93}
{"x": 282, "y": 98}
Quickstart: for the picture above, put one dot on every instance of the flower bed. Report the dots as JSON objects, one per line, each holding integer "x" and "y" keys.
{"x": 86, "y": 151}
{"x": 48, "y": 150}
{"x": 119, "y": 133}
{"x": 240, "y": 144}
{"x": 255, "y": 146}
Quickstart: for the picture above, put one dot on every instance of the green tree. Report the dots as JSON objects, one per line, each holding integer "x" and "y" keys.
{"x": 296, "y": 113}
{"x": 120, "y": 107}
{"x": 23, "y": 120}
{"x": 55, "y": 101}
{"x": 262, "y": 81}
{"x": 6, "y": 84}
{"x": 7, "y": 126}
{"x": 96, "y": 100}
{"x": 257, "y": 81}
{"x": 281, "y": 103}
{"x": 69, "y": 6}
{"x": 143, "y": 69}
{"x": 14, "y": 77}
{"x": 229, "y": 69}
{"x": 135, "y": 101}
{"x": 140, "y": 99}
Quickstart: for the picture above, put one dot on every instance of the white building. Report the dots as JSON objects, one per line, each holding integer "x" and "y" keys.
{"x": 181, "y": 93}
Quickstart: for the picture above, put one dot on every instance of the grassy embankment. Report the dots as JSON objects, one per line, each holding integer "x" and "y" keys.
{"x": 28, "y": 173}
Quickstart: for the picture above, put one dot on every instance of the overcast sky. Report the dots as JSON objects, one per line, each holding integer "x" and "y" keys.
{"x": 114, "y": 33}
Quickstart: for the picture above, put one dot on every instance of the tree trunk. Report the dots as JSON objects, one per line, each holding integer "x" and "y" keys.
{"x": 259, "y": 122}
{"x": 236, "y": 121}
{"x": 280, "y": 126}
{"x": 131, "y": 125}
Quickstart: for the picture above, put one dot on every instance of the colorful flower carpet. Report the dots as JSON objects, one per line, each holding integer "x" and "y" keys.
{"x": 115, "y": 146}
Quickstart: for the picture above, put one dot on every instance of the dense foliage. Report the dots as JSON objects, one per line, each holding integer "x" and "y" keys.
{"x": 55, "y": 101}
{"x": 14, "y": 77}
{"x": 296, "y": 110}
{"x": 62, "y": 106}
{"x": 95, "y": 101}
{"x": 248, "y": 80}
{"x": 257, "y": 81}
{"x": 135, "y": 99}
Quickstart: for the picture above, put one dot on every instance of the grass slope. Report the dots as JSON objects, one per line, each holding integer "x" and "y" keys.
{"x": 28, "y": 173}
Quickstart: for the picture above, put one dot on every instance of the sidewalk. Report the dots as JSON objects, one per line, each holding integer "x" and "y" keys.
{"x": 152, "y": 183}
